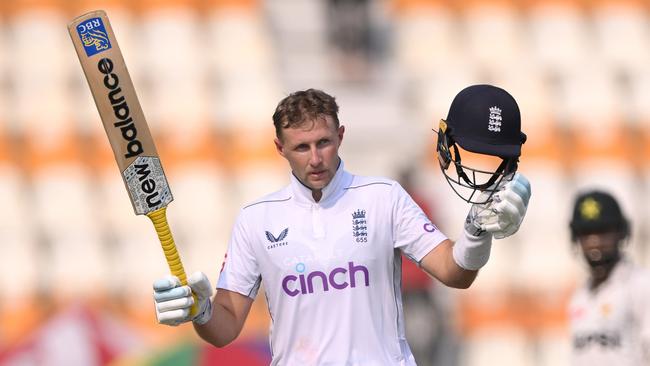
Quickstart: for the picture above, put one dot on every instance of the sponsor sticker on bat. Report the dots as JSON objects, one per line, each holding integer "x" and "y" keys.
{"x": 93, "y": 36}
{"x": 147, "y": 185}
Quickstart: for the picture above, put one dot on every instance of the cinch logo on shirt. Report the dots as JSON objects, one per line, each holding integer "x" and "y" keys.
{"x": 429, "y": 227}
{"x": 339, "y": 278}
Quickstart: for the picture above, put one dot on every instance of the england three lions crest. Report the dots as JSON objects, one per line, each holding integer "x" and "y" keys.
{"x": 359, "y": 226}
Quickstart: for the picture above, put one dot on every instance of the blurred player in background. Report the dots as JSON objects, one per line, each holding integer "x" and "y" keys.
{"x": 610, "y": 313}
{"x": 328, "y": 246}
{"x": 350, "y": 34}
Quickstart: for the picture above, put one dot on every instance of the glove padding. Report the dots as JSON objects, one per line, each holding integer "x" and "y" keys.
{"x": 503, "y": 215}
{"x": 173, "y": 301}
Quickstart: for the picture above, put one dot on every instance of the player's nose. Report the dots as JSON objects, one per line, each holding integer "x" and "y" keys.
{"x": 315, "y": 157}
{"x": 593, "y": 241}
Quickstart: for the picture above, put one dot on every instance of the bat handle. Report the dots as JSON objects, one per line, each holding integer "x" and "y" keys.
{"x": 159, "y": 219}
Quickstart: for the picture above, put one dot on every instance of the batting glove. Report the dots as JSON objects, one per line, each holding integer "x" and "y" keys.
{"x": 173, "y": 301}
{"x": 503, "y": 215}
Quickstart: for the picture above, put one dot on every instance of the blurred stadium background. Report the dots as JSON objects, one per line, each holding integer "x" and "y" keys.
{"x": 78, "y": 264}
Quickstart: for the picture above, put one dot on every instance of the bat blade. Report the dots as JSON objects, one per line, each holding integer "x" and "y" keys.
{"x": 120, "y": 111}
{"x": 125, "y": 125}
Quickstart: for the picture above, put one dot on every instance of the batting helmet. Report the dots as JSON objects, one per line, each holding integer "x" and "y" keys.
{"x": 482, "y": 119}
{"x": 597, "y": 211}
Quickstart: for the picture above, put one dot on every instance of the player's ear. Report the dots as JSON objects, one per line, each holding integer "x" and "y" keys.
{"x": 340, "y": 132}
{"x": 279, "y": 146}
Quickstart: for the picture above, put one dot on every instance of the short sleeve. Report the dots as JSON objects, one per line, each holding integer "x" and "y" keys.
{"x": 413, "y": 232}
{"x": 240, "y": 272}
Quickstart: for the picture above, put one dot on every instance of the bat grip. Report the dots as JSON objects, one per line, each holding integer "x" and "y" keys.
{"x": 159, "y": 219}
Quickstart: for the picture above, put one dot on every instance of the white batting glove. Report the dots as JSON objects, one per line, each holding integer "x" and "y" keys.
{"x": 173, "y": 301}
{"x": 502, "y": 216}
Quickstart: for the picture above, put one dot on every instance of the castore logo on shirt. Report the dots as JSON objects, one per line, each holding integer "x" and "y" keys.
{"x": 277, "y": 241}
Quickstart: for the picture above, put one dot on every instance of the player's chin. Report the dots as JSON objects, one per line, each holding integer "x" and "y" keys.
{"x": 316, "y": 185}
{"x": 318, "y": 182}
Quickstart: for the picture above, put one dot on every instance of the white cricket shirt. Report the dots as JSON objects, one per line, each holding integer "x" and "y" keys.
{"x": 331, "y": 269}
{"x": 611, "y": 325}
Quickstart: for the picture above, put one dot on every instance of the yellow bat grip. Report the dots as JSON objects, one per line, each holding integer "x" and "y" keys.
{"x": 159, "y": 219}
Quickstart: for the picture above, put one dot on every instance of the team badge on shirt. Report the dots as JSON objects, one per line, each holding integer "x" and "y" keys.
{"x": 277, "y": 241}
{"x": 359, "y": 226}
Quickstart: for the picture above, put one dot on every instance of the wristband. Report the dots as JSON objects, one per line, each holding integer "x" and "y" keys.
{"x": 205, "y": 314}
{"x": 472, "y": 252}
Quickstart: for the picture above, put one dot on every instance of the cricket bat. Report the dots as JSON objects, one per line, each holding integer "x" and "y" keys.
{"x": 126, "y": 127}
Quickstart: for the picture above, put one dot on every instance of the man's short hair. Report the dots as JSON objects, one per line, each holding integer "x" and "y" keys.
{"x": 304, "y": 106}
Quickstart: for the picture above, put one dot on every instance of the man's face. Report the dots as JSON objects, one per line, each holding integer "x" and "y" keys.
{"x": 600, "y": 249}
{"x": 312, "y": 151}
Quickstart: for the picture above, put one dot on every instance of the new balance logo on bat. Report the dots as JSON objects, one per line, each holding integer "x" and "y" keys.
{"x": 120, "y": 109}
{"x": 147, "y": 184}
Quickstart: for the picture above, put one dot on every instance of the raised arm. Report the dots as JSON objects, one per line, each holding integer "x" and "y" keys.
{"x": 440, "y": 264}
{"x": 457, "y": 264}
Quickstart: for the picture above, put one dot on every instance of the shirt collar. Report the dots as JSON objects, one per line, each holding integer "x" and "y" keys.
{"x": 331, "y": 191}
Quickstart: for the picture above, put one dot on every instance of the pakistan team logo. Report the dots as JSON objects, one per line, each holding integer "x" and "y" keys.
{"x": 359, "y": 226}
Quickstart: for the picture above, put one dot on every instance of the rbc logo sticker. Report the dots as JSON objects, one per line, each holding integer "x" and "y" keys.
{"x": 93, "y": 36}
